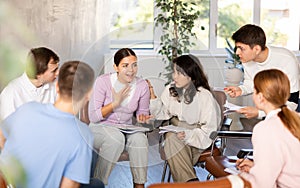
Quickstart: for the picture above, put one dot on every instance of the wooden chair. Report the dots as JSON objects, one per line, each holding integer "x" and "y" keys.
{"x": 3, "y": 183}
{"x": 225, "y": 182}
{"x": 221, "y": 99}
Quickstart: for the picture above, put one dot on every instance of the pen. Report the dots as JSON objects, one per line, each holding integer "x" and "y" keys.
{"x": 245, "y": 157}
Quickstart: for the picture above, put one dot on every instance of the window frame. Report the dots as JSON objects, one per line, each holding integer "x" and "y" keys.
{"x": 212, "y": 46}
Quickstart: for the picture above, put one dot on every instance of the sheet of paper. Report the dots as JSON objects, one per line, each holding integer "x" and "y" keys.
{"x": 232, "y": 170}
{"x": 231, "y": 108}
{"x": 171, "y": 128}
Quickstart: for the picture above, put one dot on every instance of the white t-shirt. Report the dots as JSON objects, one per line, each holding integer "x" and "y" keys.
{"x": 278, "y": 58}
{"x": 20, "y": 91}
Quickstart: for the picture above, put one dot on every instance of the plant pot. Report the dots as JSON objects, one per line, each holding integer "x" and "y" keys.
{"x": 233, "y": 76}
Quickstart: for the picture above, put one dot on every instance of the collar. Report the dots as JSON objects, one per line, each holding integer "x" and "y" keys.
{"x": 273, "y": 113}
{"x": 31, "y": 86}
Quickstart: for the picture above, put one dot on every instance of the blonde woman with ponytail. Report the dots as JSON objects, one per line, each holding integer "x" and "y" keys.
{"x": 276, "y": 140}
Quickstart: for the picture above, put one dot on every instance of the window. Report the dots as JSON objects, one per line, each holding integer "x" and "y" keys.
{"x": 132, "y": 22}
{"x": 232, "y": 14}
{"x": 280, "y": 19}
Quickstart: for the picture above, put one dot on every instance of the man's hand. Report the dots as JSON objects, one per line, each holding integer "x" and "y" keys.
{"x": 233, "y": 91}
{"x": 249, "y": 112}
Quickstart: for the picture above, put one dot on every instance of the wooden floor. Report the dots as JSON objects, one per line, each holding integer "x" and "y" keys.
{"x": 121, "y": 175}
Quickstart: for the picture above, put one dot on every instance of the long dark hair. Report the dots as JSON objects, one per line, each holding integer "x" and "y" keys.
{"x": 189, "y": 65}
{"x": 275, "y": 87}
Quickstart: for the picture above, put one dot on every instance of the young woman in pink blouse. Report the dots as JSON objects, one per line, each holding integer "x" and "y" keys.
{"x": 115, "y": 99}
{"x": 276, "y": 140}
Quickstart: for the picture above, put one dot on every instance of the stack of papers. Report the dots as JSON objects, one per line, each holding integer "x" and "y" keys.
{"x": 171, "y": 128}
{"x": 230, "y": 108}
{"x": 130, "y": 128}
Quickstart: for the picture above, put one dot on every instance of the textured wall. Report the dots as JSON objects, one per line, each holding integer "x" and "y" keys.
{"x": 75, "y": 29}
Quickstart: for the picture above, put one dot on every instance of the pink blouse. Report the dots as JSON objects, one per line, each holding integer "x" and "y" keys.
{"x": 276, "y": 155}
{"x": 138, "y": 101}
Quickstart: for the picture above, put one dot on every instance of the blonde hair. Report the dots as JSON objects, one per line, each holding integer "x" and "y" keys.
{"x": 275, "y": 87}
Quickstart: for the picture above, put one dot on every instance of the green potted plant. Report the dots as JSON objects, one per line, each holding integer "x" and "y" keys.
{"x": 234, "y": 72}
{"x": 176, "y": 18}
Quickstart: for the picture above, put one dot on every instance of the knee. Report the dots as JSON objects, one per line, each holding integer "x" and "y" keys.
{"x": 116, "y": 138}
{"x": 170, "y": 138}
{"x": 138, "y": 140}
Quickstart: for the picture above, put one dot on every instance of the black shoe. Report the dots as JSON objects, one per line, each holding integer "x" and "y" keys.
{"x": 194, "y": 179}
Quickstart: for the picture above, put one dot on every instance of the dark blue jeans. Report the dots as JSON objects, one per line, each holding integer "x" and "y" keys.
{"x": 94, "y": 183}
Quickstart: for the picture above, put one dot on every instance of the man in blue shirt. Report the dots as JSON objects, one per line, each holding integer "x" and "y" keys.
{"x": 52, "y": 145}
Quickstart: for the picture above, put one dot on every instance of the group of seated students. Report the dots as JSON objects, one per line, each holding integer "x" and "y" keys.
{"x": 41, "y": 134}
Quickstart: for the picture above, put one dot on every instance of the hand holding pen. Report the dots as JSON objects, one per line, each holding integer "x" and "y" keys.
{"x": 244, "y": 164}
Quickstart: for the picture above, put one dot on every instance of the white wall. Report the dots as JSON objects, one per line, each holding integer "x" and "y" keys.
{"x": 73, "y": 29}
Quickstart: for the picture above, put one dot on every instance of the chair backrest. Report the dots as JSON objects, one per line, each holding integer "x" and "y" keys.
{"x": 225, "y": 182}
{"x": 220, "y": 97}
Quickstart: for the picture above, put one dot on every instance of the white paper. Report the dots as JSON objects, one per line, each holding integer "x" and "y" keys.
{"x": 232, "y": 170}
{"x": 171, "y": 128}
{"x": 230, "y": 108}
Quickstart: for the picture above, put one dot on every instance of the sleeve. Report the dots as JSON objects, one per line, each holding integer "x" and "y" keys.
{"x": 247, "y": 86}
{"x": 261, "y": 114}
{"x": 159, "y": 106}
{"x": 292, "y": 70}
{"x": 7, "y": 105}
{"x": 268, "y": 158}
{"x": 143, "y": 107}
{"x": 97, "y": 100}
{"x": 78, "y": 167}
{"x": 210, "y": 117}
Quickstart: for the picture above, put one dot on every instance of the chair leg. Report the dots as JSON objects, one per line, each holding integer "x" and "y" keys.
{"x": 169, "y": 176}
{"x": 164, "y": 171}
{"x": 208, "y": 176}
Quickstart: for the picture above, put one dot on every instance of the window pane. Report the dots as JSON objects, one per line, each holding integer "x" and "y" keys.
{"x": 201, "y": 27}
{"x": 280, "y": 20}
{"x": 131, "y": 24}
{"x": 232, "y": 14}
